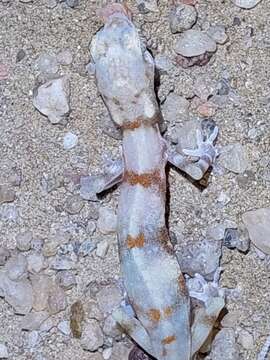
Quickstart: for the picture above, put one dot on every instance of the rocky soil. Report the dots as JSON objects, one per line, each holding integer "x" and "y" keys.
{"x": 59, "y": 266}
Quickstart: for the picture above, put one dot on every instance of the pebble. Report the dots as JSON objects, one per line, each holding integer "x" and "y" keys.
{"x": 4, "y": 255}
{"x": 20, "y": 55}
{"x": 182, "y": 17}
{"x": 107, "y": 353}
{"x": 245, "y": 339}
{"x": 52, "y": 99}
{"x": 66, "y": 279}
{"x": 231, "y": 319}
{"x": 91, "y": 227}
{"x": 64, "y": 327}
{"x": 41, "y": 287}
{"x": 257, "y": 223}
{"x": 73, "y": 204}
{"x": 109, "y": 298}
{"x": 16, "y": 267}
{"x": 204, "y": 87}
{"x": 77, "y": 316}
{"x": 70, "y": 141}
{"x": 223, "y": 199}
{"x": 23, "y": 240}
{"x": 102, "y": 248}
{"x": 57, "y": 300}
{"x": 163, "y": 63}
{"x": 72, "y": 3}
{"x": 233, "y": 157}
{"x": 3, "y": 351}
{"x": 111, "y": 327}
{"x": 120, "y": 351}
{"x": 33, "y": 320}
{"x": 216, "y": 231}
{"x": 62, "y": 263}
{"x": 207, "y": 109}
{"x": 107, "y": 221}
{"x": 146, "y": 6}
{"x": 86, "y": 248}
{"x": 202, "y": 258}
{"x": 186, "y": 135}
{"x": 47, "y": 64}
{"x": 194, "y": 43}
{"x": 18, "y": 294}
{"x": 35, "y": 263}
{"x": 224, "y": 346}
{"x": 246, "y": 4}
{"x": 33, "y": 339}
{"x": 7, "y": 195}
{"x": 92, "y": 310}
{"x": 218, "y": 34}
{"x": 238, "y": 239}
{"x": 175, "y": 109}
{"x": 64, "y": 57}
{"x": 91, "y": 186}
{"x": 92, "y": 336}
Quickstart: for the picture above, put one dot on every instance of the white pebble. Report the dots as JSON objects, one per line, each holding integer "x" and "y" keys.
{"x": 70, "y": 141}
{"x": 3, "y": 351}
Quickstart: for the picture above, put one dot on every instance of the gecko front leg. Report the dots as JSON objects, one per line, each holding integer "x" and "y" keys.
{"x": 197, "y": 161}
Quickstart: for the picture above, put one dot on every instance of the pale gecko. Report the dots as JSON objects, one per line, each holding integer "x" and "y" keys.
{"x": 159, "y": 317}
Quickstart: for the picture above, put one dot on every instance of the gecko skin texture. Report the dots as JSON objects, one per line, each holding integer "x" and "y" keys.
{"x": 152, "y": 277}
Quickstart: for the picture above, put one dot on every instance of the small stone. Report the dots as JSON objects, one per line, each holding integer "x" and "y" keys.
{"x": 64, "y": 327}
{"x": 92, "y": 310}
{"x": 111, "y": 327}
{"x": 223, "y": 199}
{"x": 186, "y": 135}
{"x": 3, "y": 351}
{"x": 246, "y": 339}
{"x": 41, "y": 287}
{"x": 20, "y": 55}
{"x": 52, "y": 99}
{"x": 182, "y": 17}
{"x": 216, "y": 231}
{"x": 246, "y": 4}
{"x": 202, "y": 258}
{"x": 16, "y": 267}
{"x": 231, "y": 238}
{"x": 109, "y": 298}
{"x": 51, "y": 4}
{"x": 47, "y": 64}
{"x": 4, "y": 255}
{"x": 258, "y": 224}
{"x": 231, "y": 319}
{"x": 73, "y": 205}
{"x": 76, "y": 319}
{"x": 72, "y": 3}
{"x": 86, "y": 248}
{"x": 7, "y": 195}
{"x": 224, "y": 346}
{"x": 70, "y": 141}
{"x": 204, "y": 87}
{"x": 35, "y": 263}
{"x": 207, "y": 109}
{"x": 163, "y": 63}
{"x": 102, "y": 248}
{"x": 4, "y": 72}
{"x": 23, "y": 240}
{"x": 33, "y": 339}
{"x": 47, "y": 325}
{"x": 120, "y": 351}
{"x": 234, "y": 158}
{"x": 57, "y": 300}
{"x": 175, "y": 109}
{"x": 62, "y": 263}
{"x": 18, "y": 294}
{"x": 194, "y": 43}
{"x": 92, "y": 336}
{"x": 64, "y": 57}
{"x": 91, "y": 227}
{"x": 91, "y": 186}
{"x": 33, "y": 320}
{"x": 146, "y": 6}
{"x": 218, "y": 33}
{"x": 107, "y": 221}
{"x": 107, "y": 353}
{"x": 66, "y": 279}
{"x": 50, "y": 247}
{"x": 109, "y": 127}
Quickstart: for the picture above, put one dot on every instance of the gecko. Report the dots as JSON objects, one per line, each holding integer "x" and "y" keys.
{"x": 159, "y": 316}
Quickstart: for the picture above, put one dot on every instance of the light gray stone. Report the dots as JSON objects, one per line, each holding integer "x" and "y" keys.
{"x": 233, "y": 157}
{"x": 175, "y": 109}
{"x": 246, "y": 4}
{"x": 109, "y": 298}
{"x": 107, "y": 221}
{"x": 52, "y": 99}
{"x": 23, "y": 240}
{"x": 7, "y": 194}
{"x": 3, "y": 351}
{"x": 33, "y": 320}
{"x": 218, "y": 33}
{"x": 47, "y": 64}
{"x": 16, "y": 267}
{"x": 35, "y": 263}
{"x": 194, "y": 43}
{"x": 70, "y": 141}
{"x": 182, "y": 17}
{"x": 92, "y": 336}
{"x": 258, "y": 224}
{"x": 224, "y": 346}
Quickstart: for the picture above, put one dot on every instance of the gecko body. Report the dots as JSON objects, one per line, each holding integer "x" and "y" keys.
{"x": 152, "y": 277}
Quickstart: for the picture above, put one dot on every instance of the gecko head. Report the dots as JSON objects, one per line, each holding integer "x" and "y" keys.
{"x": 121, "y": 65}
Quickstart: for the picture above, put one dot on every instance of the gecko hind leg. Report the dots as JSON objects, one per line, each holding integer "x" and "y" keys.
{"x": 133, "y": 328}
{"x": 204, "y": 155}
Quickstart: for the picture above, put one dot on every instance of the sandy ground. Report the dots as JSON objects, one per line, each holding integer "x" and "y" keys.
{"x": 30, "y": 143}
